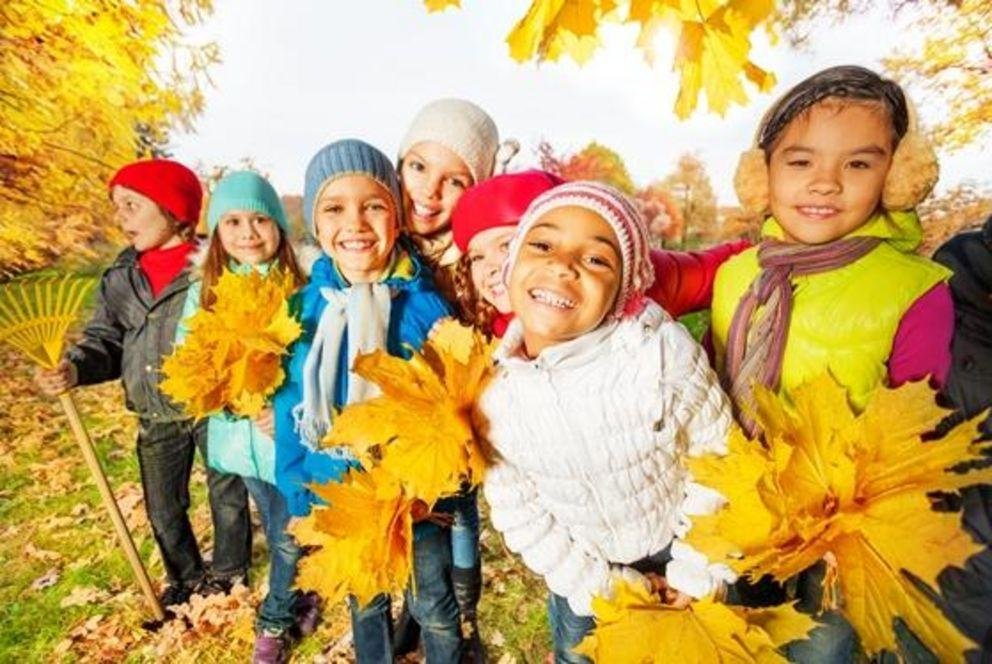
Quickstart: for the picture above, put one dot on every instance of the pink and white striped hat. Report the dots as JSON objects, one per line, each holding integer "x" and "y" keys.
{"x": 636, "y": 273}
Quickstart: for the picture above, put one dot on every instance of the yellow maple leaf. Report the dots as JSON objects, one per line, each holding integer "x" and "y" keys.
{"x": 232, "y": 356}
{"x": 634, "y": 627}
{"x": 441, "y": 5}
{"x": 828, "y": 480}
{"x": 423, "y": 428}
{"x": 365, "y": 535}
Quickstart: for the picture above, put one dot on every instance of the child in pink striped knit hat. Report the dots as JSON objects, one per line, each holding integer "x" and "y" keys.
{"x": 597, "y": 397}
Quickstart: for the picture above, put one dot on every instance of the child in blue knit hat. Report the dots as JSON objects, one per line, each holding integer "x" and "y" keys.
{"x": 249, "y": 231}
{"x": 367, "y": 291}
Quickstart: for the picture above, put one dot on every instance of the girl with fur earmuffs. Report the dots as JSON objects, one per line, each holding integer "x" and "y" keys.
{"x": 834, "y": 285}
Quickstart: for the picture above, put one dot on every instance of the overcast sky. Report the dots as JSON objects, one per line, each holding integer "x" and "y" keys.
{"x": 298, "y": 75}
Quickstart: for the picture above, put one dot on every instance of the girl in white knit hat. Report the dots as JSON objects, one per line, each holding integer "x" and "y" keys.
{"x": 451, "y": 145}
{"x": 598, "y": 395}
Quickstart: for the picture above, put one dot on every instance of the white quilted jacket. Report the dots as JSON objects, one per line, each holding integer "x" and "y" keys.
{"x": 590, "y": 435}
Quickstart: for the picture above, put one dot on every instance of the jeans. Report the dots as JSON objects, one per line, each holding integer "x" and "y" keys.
{"x": 432, "y": 604}
{"x": 567, "y": 630}
{"x": 165, "y": 458}
{"x": 276, "y": 612}
{"x": 464, "y": 530}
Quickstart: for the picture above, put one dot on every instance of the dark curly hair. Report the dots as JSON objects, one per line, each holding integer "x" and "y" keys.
{"x": 846, "y": 82}
{"x": 472, "y": 309}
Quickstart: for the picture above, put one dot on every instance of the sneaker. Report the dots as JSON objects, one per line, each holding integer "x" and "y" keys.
{"x": 175, "y": 593}
{"x": 306, "y": 608}
{"x": 270, "y": 648}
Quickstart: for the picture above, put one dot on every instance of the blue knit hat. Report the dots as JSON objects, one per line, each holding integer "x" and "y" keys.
{"x": 347, "y": 157}
{"x": 245, "y": 190}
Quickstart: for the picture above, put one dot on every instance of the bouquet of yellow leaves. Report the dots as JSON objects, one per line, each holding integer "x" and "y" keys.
{"x": 853, "y": 489}
{"x": 422, "y": 429}
{"x": 635, "y": 627}
{"x": 232, "y": 356}
{"x": 364, "y": 538}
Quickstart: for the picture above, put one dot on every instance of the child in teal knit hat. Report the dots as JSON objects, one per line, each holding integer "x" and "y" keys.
{"x": 248, "y": 231}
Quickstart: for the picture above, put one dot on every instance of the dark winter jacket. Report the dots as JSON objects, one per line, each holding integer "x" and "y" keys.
{"x": 969, "y": 385}
{"x": 967, "y": 591}
{"x": 129, "y": 335}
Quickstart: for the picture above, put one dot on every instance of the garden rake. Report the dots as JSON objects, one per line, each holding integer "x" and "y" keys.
{"x": 34, "y": 316}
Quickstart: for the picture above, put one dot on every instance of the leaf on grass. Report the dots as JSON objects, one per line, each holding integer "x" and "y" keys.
{"x": 46, "y": 580}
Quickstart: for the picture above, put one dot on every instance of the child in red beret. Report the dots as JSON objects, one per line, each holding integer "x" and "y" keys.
{"x": 139, "y": 304}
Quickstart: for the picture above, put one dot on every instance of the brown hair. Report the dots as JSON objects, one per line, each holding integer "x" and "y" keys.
{"x": 217, "y": 260}
{"x": 184, "y": 230}
{"x": 472, "y": 308}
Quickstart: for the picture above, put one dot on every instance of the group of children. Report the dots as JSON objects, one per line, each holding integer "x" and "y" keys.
{"x": 598, "y": 392}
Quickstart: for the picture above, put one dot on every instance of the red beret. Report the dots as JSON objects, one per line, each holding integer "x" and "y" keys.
{"x": 171, "y": 185}
{"x": 498, "y": 201}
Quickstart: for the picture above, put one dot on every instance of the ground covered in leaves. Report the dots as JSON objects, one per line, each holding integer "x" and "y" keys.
{"x": 67, "y": 593}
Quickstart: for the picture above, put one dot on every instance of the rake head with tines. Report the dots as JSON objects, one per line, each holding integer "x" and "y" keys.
{"x": 36, "y": 312}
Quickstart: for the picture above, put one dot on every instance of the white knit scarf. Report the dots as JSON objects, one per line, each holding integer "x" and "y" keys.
{"x": 363, "y": 310}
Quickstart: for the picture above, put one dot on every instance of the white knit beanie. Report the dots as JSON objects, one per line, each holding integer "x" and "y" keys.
{"x": 460, "y": 126}
{"x": 637, "y": 272}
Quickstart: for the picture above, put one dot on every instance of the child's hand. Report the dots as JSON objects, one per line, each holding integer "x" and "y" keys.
{"x": 58, "y": 380}
{"x": 266, "y": 422}
{"x": 421, "y": 512}
{"x": 673, "y": 598}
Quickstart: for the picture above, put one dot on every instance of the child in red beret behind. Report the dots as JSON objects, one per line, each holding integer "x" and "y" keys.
{"x": 133, "y": 327}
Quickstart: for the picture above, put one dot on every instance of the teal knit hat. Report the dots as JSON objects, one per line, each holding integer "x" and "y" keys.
{"x": 245, "y": 190}
{"x": 348, "y": 157}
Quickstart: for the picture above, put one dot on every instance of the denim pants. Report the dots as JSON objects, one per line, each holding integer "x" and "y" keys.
{"x": 276, "y": 612}
{"x": 165, "y": 458}
{"x": 568, "y": 629}
{"x": 465, "y": 529}
{"x": 432, "y": 604}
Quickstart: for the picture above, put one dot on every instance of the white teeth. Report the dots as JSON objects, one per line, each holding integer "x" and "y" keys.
{"x": 553, "y": 299}
{"x": 356, "y": 245}
{"x": 424, "y": 211}
{"x": 817, "y": 210}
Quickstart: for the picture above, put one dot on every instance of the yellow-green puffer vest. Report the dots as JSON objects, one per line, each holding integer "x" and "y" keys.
{"x": 843, "y": 321}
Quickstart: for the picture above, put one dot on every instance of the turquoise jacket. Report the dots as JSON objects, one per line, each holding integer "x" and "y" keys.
{"x": 234, "y": 444}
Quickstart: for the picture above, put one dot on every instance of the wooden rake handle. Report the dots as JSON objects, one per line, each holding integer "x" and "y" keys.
{"x": 123, "y": 535}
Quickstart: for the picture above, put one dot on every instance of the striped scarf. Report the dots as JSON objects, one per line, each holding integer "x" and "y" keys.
{"x": 760, "y": 326}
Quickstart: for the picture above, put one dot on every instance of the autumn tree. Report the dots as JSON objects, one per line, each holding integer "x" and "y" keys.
{"x": 713, "y": 40}
{"x": 736, "y": 223}
{"x": 693, "y": 193}
{"x": 662, "y": 214}
{"x": 593, "y": 162}
{"x": 960, "y": 209}
{"x": 85, "y": 87}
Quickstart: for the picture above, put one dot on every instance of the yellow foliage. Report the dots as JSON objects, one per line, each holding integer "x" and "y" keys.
{"x": 86, "y": 86}
{"x": 232, "y": 356}
{"x": 364, "y": 535}
{"x": 854, "y": 486}
{"x": 714, "y": 40}
{"x": 422, "y": 428}
{"x": 634, "y": 627}
{"x": 441, "y": 5}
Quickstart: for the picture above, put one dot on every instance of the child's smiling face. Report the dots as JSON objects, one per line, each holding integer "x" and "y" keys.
{"x": 433, "y": 179}
{"x": 487, "y": 251}
{"x": 142, "y": 221}
{"x": 355, "y": 220}
{"x": 248, "y": 237}
{"x": 566, "y": 277}
{"x": 827, "y": 170}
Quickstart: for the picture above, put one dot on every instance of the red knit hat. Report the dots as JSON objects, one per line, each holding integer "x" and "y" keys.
{"x": 498, "y": 201}
{"x": 171, "y": 185}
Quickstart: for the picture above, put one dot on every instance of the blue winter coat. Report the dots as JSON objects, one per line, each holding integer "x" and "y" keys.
{"x": 415, "y": 307}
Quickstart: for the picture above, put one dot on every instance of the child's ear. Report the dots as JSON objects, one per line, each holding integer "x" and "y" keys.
{"x": 751, "y": 181}
{"x": 913, "y": 173}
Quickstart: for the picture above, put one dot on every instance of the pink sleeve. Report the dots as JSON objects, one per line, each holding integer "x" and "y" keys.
{"x": 922, "y": 346}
